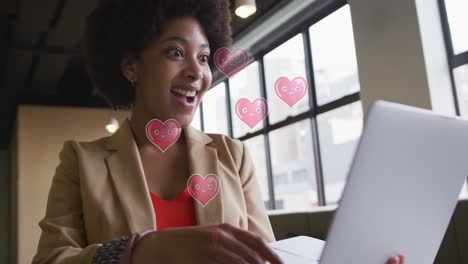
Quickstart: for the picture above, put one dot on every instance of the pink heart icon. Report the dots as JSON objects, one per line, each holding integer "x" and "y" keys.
{"x": 291, "y": 91}
{"x": 163, "y": 135}
{"x": 251, "y": 113}
{"x": 203, "y": 189}
{"x": 229, "y": 62}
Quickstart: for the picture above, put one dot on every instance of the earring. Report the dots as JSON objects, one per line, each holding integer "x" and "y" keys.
{"x": 132, "y": 82}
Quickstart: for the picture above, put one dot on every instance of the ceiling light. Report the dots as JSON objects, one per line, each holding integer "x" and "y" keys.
{"x": 245, "y": 8}
{"x": 113, "y": 125}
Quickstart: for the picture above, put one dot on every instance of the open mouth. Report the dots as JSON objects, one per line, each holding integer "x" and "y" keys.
{"x": 190, "y": 99}
{"x": 189, "y": 96}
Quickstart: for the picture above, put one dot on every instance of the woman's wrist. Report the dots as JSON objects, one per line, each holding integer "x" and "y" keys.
{"x": 133, "y": 240}
{"x": 144, "y": 247}
{"x": 111, "y": 251}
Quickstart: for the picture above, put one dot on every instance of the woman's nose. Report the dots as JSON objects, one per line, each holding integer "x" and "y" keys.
{"x": 194, "y": 70}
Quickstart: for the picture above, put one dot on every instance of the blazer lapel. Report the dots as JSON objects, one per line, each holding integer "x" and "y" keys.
{"x": 126, "y": 171}
{"x": 203, "y": 160}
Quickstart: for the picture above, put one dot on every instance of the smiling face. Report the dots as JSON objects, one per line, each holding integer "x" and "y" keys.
{"x": 171, "y": 75}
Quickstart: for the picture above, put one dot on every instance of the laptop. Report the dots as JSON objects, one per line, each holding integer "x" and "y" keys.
{"x": 402, "y": 188}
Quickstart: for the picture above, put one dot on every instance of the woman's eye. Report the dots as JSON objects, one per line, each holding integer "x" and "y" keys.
{"x": 204, "y": 58}
{"x": 176, "y": 53}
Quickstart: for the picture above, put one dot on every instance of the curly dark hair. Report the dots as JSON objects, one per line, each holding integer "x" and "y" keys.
{"x": 117, "y": 27}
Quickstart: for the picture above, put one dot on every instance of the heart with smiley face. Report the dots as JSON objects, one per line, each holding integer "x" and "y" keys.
{"x": 203, "y": 189}
{"x": 291, "y": 92}
{"x": 251, "y": 113}
{"x": 229, "y": 62}
{"x": 163, "y": 135}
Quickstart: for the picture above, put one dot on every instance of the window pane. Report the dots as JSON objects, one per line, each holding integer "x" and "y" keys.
{"x": 339, "y": 132}
{"x": 464, "y": 191}
{"x": 286, "y": 60}
{"x": 245, "y": 84}
{"x": 334, "y": 56}
{"x": 461, "y": 82}
{"x": 196, "y": 123}
{"x": 256, "y": 147}
{"x": 293, "y": 165}
{"x": 215, "y": 110}
{"x": 456, "y": 13}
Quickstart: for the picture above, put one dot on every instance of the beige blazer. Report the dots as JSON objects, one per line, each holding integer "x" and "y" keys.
{"x": 99, "y": 193}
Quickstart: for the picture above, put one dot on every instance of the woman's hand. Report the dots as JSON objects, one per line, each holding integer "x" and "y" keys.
{"x": 396, "y": 260}
{"x": 222, "y": 243}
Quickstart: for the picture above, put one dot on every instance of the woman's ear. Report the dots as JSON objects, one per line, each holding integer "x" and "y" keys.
{"x": 129, "y": 67}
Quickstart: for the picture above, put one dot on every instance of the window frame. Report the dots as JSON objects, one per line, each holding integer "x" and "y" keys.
{"x": 315, "y": 109}
{"x": 454, "y": 61}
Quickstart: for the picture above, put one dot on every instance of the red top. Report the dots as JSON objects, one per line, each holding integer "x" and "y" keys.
{"x": 177, "y": 212}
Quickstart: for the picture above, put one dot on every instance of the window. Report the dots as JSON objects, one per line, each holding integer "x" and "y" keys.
{"x": 215, "y": 110}
{"x": 339, "y": 132}
{"x": 454, "y": 21}
{"x": 245, "y": 84}
{"x": 196, "y": 122}
{"x": 302, "y": 154}
{"x": 464, "y": 191}
{"x": 457, "y": 20}
{"x": 288, "y": 61}
{"x": 334, "y": 56}
{"x": 256, "y": 148}
{"x": 460, "y": 74}
{"x": 292, "y": 160}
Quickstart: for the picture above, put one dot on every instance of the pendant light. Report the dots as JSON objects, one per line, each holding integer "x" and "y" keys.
{"x": 245, "y": 8}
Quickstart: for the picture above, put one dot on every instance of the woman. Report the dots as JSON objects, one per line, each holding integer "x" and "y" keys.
{"x": 121, "y": 199}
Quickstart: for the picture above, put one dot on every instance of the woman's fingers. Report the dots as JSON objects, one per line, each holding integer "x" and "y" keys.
{"x": 228, "y": 243}
{"x": 393, "y": 260}
{"x": 225, "y": 256}
{"x": 255, "y": 242}
{"x": 396, "y": 260}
